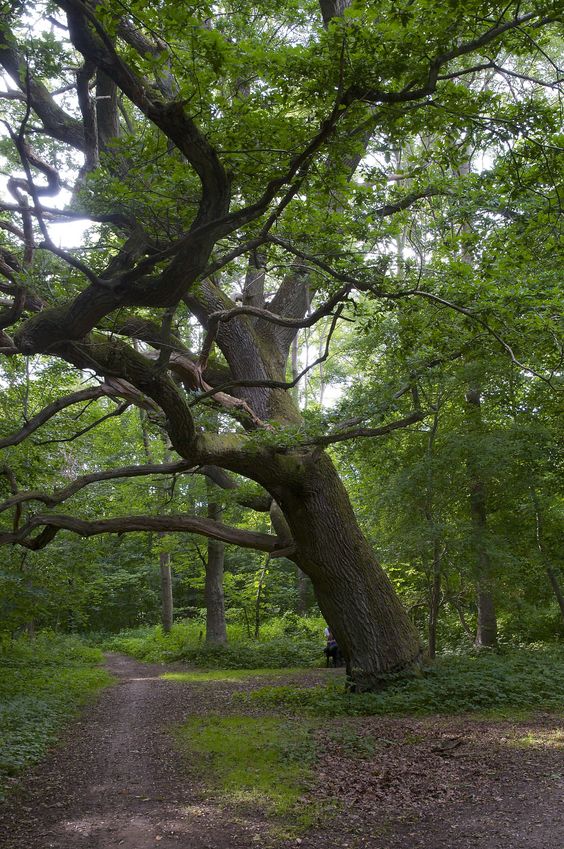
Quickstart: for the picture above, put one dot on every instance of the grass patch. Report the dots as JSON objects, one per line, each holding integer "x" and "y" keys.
{"x": 284, "y": 642}
{"x": 519, "y": 681}
{"x": 540, "y": 740}
{"x": 43, "y": 681}
{"x": 230, "y": 675}
{"x": 264, "y": 763}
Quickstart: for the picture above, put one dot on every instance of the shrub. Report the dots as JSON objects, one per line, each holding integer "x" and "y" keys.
{"x": 42, "y": 683}
{"x": 288, "y": 641}
{"x": 523, "y": 680}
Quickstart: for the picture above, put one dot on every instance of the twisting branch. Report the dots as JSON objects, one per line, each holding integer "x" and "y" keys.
{"x": 410, "y": 93}
{"x": 342, "y": 435}
{"x": 53, "y": 186}
{"x": 11, "y": 314}
{"x": 53, "y": 523}
{"x": 274, "y": 384}
{"x": 8, "y": 473}
{"x": 191, "y": 375}
{"x": 61, "y": 495}
{"x": 364, "y": 286}
{"x": 117, "y": 412}
{"x": 51, "y": 410}
{"x": 284, "y": 321}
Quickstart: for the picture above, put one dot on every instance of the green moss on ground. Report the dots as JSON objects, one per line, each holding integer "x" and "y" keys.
{"x": 228, "y": 675}
{"x": 262, "y": 763}
{"x": 286, "y": 641}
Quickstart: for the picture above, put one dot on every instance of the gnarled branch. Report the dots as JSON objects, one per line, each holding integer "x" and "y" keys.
{"x": 53, "y": 523}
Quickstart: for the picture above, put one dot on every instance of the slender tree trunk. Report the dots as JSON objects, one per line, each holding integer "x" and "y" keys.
{"x": 557, "y": 589}
{"x": 486, "y": 632}
{"x": 166, "y": 591}
{"x": 435, "y": 594}
{"x": 283, "y": 532}
{"x": 304, "y": 591}
{"x": 461, "y": 615}
{"x": 552, "y": 577}
{"x": 216, "y": 627}
{"x": 258, "y": 599}
{"x": 435, "y": 599}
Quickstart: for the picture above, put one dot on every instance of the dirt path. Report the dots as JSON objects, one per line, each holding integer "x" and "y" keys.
{"x": 118, "y": 781}
{"x": 432, "y": 783}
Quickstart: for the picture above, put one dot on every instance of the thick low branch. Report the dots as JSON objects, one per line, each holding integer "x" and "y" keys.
{"x": 53, "y": 523}
{"x": 111, "y": 358}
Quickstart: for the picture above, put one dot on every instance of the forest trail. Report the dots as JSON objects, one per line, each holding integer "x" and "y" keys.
{"x": 118, "y": 781}
{"x": 430, "y": 783}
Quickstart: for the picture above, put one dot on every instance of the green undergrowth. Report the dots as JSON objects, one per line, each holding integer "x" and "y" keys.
{"x": 230, "y": 675}
{"x": 252, "y": 763}
{"x": 43, "y": 681}
{"x": 284, "y": 642}
{"x": 489, "y": 684}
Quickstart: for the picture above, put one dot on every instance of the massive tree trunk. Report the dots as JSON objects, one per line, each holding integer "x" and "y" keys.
{"x": 353, "y": 592}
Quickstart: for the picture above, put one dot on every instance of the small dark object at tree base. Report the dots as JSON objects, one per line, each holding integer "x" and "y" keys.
{"x": 333, "y": 656}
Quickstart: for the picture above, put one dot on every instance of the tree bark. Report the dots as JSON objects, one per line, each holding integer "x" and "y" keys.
{"x": 304, "y": 591}
{"x": 216, "y": 627}
{"x": 166, "y": 591}
{"x": 354, "y": 593}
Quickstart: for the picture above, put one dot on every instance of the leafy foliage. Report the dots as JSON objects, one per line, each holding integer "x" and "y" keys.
{"x": 530, "y": 679}
{"x": 278, "y": 647}
{"x": 43, "y": 681}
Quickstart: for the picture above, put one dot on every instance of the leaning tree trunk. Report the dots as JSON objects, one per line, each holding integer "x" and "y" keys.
{"x": 354, "y": 593}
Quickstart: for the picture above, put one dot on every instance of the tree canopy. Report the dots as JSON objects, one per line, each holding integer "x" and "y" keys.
{"x": 208, "y": 206}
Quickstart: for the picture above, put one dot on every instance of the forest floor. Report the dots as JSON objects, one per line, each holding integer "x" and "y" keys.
{"x": 118, "y": 779}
